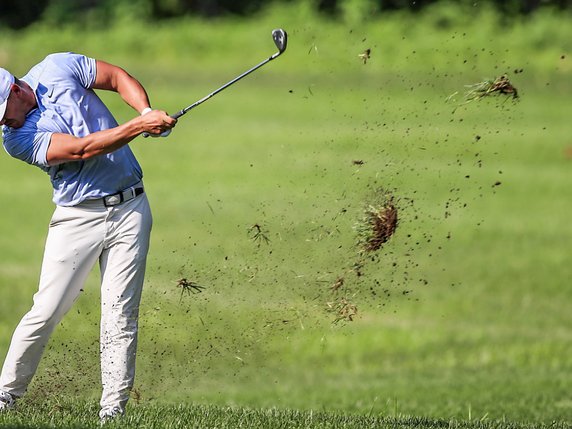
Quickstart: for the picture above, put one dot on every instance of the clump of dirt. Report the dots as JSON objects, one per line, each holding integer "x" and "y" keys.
{"x": 499, "y": 86}
{"x": 374, "y": 229}
{"x": 378, "y": 225}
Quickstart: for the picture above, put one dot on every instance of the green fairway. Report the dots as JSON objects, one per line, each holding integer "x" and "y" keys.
{"x": 463, "y": 317}
{"x": 74, "y": 415}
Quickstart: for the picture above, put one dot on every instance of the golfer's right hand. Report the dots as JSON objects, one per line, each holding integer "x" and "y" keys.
{"x": 157, "y": 123}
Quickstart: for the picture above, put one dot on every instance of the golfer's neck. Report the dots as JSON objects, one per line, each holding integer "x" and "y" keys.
{"x": 30, "y": 100}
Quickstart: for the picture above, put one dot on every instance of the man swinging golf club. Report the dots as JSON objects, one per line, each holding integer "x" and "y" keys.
{"x": 53, "y": 119}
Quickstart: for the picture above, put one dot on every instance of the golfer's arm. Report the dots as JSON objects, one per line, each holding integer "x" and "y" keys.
{"x": 113, "y": 78}
{"x": 65, "y": 147}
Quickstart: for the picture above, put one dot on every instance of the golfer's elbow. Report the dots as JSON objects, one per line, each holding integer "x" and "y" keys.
{"x": 67, "y": 148}
{"x": 63, "y": 157}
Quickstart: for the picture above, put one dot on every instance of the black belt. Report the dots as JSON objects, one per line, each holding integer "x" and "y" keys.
{"x": 123, "y": 196}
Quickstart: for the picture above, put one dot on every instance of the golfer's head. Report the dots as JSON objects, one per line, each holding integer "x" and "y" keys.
{"x": 17, "y": 99}
{"x": 6, "y": 82}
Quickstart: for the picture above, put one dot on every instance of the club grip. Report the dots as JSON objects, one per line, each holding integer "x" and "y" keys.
{"x": 163, "y": 134}
{"x": 174, "y": 116}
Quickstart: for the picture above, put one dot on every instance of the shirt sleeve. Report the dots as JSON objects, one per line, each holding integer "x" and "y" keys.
{"x": 28, "y": 147}
{"x": 80, "y": 67}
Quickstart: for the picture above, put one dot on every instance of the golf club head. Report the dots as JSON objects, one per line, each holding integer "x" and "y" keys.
{"x": 280, "y": 39}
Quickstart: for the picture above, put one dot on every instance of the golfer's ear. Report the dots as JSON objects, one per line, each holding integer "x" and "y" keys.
{"x": 15, "y": 88}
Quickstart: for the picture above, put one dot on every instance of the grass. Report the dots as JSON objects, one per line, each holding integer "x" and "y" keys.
{"x": 461, "y": 319}
{"x": 73, "y": 415}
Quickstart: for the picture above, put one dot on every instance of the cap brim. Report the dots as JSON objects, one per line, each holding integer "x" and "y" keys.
{"x": 3, "y": 109}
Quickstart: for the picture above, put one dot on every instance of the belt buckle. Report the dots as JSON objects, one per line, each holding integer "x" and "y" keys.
{"x": 123, "y": 196}
{"x": 113, "y": 200}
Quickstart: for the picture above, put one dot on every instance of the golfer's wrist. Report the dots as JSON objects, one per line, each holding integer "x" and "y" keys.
{"x": 146, "y": 110}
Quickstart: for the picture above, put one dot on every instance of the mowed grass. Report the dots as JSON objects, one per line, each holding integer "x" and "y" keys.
{"x": 78, "y": 414}
{"x": 462, "y": 318}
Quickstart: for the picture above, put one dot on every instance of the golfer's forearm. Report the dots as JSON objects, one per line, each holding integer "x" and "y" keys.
{"x": 107, "y": 141}
{"x": 132, "y": 92}
{"x": 65, "y": 147}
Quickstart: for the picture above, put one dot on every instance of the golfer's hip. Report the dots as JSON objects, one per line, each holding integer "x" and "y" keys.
{"x": 116, "y": 199}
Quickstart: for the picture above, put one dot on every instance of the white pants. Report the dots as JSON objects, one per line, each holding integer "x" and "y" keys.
{"x": 77, "y": 238}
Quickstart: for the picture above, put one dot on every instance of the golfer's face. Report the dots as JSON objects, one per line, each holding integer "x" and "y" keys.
{"x": 15, "y": 114}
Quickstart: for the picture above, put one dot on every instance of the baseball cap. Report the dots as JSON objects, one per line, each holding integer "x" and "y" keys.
{"x": 6, "y": 81}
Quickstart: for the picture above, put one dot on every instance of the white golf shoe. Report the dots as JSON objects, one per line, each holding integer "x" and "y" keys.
{"x": 7, "y": 401}
{"x": 110, "y": 414}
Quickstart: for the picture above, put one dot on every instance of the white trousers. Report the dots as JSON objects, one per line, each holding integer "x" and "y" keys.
{"x": 78, "y": 237}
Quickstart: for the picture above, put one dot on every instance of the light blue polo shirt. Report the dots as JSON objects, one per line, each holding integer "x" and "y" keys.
{"x": 67, "y": 104}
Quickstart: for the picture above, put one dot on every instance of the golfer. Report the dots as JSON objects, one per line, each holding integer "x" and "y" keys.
{"x": 53, "y": 119}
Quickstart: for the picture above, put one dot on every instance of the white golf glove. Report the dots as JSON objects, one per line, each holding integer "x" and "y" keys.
{"x": 163, "y": 134}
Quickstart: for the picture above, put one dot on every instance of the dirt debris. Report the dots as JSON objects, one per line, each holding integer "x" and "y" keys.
{"x": 498, "y": 86}
{"x": 365, "y": 55}
{"x": 378, "y": 224}
{"x": 258, "y": 234}
{"x": 374, "y": 229}
{"x": 189, "y": 287}
{"x": 343, "y": 309}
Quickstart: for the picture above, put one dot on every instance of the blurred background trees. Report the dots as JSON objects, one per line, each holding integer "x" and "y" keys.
{"x": 22, "y": 13}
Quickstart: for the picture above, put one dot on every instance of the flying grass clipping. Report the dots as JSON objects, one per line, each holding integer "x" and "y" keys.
{"x": 500, "y": 86}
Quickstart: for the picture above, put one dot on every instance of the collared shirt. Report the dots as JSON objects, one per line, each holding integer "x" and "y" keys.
{"x": 66, "y": 104}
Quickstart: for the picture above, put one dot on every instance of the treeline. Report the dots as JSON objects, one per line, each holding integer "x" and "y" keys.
{"x": 22, "y": 13}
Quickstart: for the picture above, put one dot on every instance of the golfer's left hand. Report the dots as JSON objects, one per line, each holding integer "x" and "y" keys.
{"x": 169, "y": 124}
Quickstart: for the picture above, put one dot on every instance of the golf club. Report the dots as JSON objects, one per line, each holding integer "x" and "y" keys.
{"x": 280, "y": 40}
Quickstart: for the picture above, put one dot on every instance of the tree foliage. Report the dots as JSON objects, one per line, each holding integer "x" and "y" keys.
{"x": 22, "y": 13}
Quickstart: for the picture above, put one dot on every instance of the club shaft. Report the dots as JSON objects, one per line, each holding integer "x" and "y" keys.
{"x": 226, "y": 85}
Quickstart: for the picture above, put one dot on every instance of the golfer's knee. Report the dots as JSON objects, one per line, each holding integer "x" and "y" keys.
{"x": 44, "y": 317}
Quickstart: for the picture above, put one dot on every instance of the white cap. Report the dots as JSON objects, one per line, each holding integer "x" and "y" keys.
{"x": 6, "y": 81}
